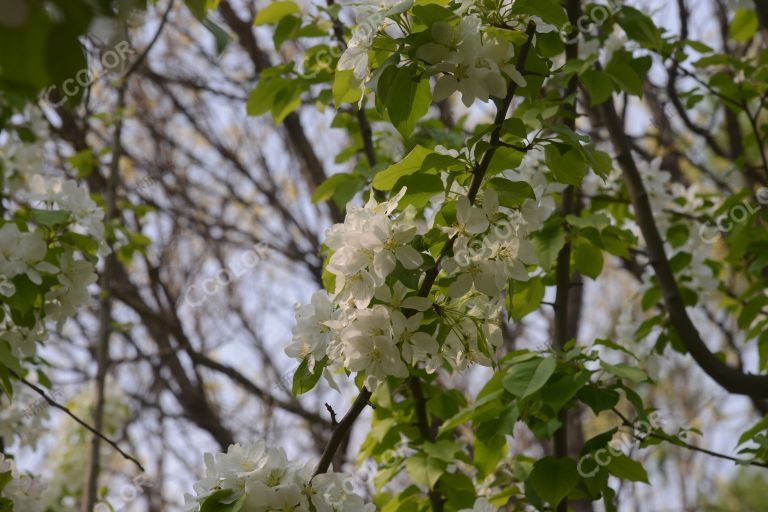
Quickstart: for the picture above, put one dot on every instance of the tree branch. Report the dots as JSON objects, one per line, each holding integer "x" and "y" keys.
{"x": 729, "y": 378}
{"x": 53, "y": 403}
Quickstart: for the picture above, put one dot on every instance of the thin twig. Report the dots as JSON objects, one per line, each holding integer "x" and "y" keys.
{"x": 683, "y": 444}
{"x": 53, "y": 403}
{"x": 332, "y": 413}
{"x": 341, "y": 431}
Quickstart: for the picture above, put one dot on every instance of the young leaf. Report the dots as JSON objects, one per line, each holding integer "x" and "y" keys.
{"x": 627, "y": 469}
{"x": 275, "y": 12}
{"x": 553, "y": 479}
{"x": 526, "y": 378}
{"x": 412, "y": 162}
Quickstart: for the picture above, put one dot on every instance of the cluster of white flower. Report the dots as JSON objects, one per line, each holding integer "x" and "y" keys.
{"x": 374, "y": 15}
{"x": 490, "y": 247}
{"x": 265, "y": 480}
{"x": 27, "y": 248}
{"x": 466, "y": 59}
{"x": 22, "y": 418}
{"x": 674, "y": 203}
{"x": 69, "y": 196}
{"x": 21, "y": 253}
{"x": 20, "y": 489}
{"x": 469, "y": 63}
{"x": 373, "y": 323}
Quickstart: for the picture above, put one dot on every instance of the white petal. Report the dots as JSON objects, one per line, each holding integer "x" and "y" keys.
{"x": 461, "y": 286}
{"x": 409, "y": 257}
{"x": 417, "y": 303}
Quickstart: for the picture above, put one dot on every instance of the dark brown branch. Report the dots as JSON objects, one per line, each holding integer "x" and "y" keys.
{"x": 564, "y": 328}
{"x": 729, "y": 378}
{"x": 342, "y": 431}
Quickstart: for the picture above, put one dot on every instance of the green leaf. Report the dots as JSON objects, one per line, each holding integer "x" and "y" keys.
{"x": 548, "y": 241}
{"x": 458, "y": 489}
{"x": 553, "y": 479}
{"x": 598, "y": 399}
{"x": 587, "y": 258}
{"x": 488, "y": 404}
{"x": 431, "y": 13}
{"x": 627, "y": 469}
{"x": 4, "y": 479}
{"x": 8, "y": 360}
{"x": 261, "y": 98}
{"x": 286, "y": 29}
{"x": 488, "y": 453}
{"x": 220, "y": 36}
{"x": 23, "y": 300}
{"x": 762, "y": 350}
{"x": 640, "y": 28}
{"x": 511, "y": 194}
{"x": 199, "y": 8}
{"x": 6, "y": 505}
{"x": 424, "y": 470}
{"x": 304, "y": 380}
{"x": 412, "y": 163}
{"x": 504, "y": 158}
{"x": 563, "y": 388}
{"x": 753, "y": 431}
{"x": 275, "y": 12}
{"x": 743, "y": 25}
{"x": 443, "y": 449}
{"x": 568, "y": 167}
{"x": 83, "y": 162}
{"x": 50, "y": 218}
{"x": 548, "y": 10}
{"x": 346, "y": 88}
{"x": 86, "y": 244}
{"x": 524, "y": 379}
{"x": 405, "y": 96}
{"x": 285, "y": 101}
{"x": 625, "y": 371}
{"x": 341, "y": 187}
{"x": 526, "y": 297}
{"x": 750, "y": 311}
{"x": 222, "y": 501}
{"x": 599, "y": 85}
{"x": 625, "y": 76}
{"x": 601, "y": 162}
{"x": 420, "y": 189}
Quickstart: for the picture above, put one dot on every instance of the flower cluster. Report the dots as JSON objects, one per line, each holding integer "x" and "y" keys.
{"x": 48, "y": 249}
{"x": 469, "y": 63}
{"x": 68, "y": 196}
{"x": 263, "y": 479}
{"x": 463, "y": 56}
{"x": 674, "y": 206}
{"x": 20, "y": 489}
{"x": 376, "y": 323}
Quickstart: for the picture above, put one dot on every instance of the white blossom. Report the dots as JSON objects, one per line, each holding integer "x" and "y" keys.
{"x": 267, "y": 481}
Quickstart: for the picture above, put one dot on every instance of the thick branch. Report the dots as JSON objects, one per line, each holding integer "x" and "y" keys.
{"x": 729, "y": 378}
